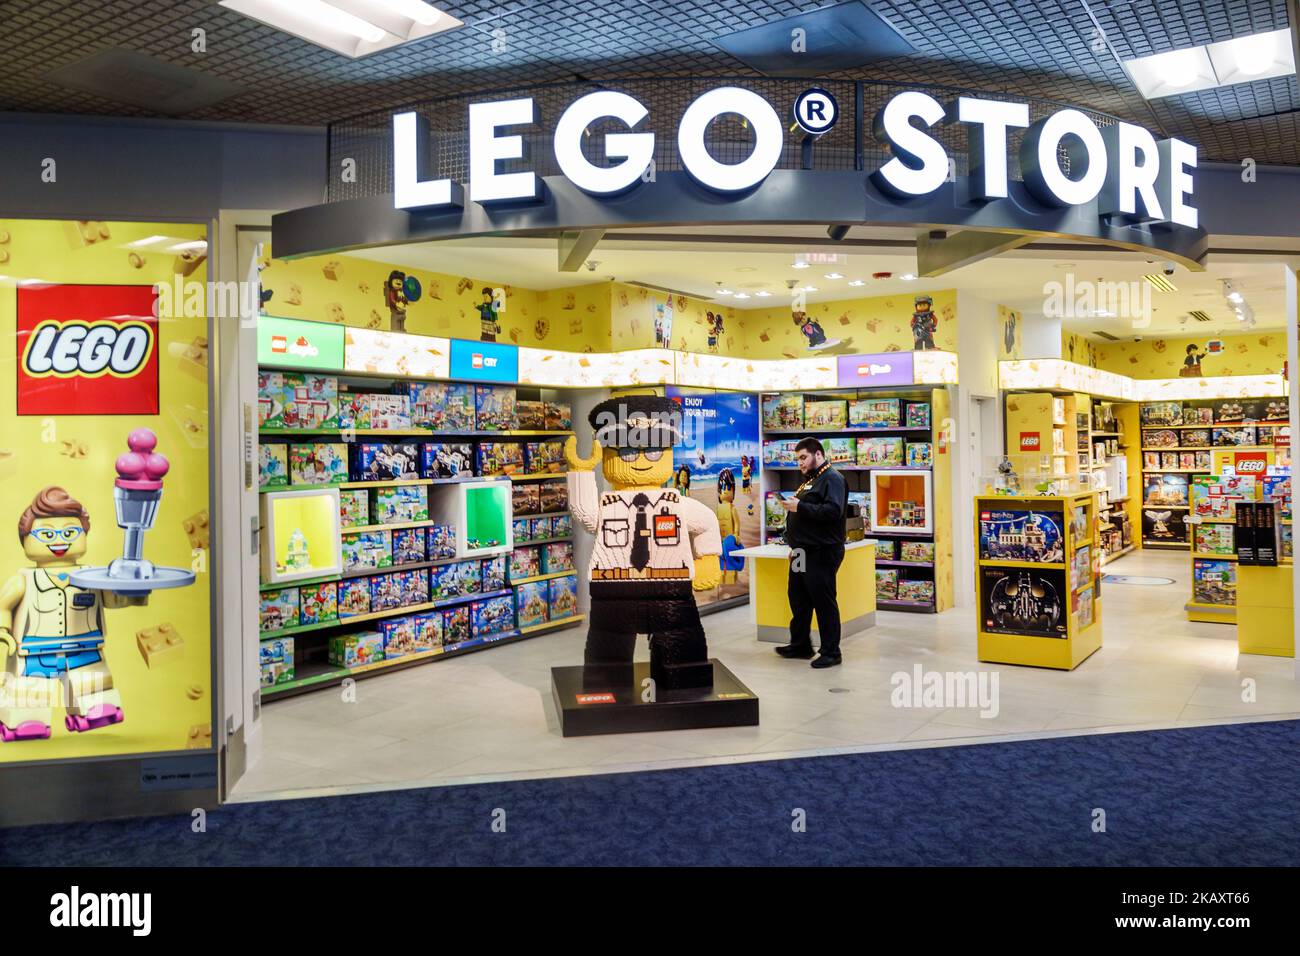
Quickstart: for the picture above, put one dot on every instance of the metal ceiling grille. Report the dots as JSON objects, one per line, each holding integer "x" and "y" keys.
{"x": 1062, "y": 50}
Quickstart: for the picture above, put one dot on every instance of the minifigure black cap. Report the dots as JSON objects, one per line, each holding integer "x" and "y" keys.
{"x": 637, "y": 421}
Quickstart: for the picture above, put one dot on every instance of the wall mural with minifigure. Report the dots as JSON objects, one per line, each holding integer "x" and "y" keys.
{"x": 893, "y": 323}
{"x": 1261, "y": 353}
{"x": 1011, "y": 322}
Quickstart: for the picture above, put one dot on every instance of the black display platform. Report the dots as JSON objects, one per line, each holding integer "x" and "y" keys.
{"x": 587, "y": 707}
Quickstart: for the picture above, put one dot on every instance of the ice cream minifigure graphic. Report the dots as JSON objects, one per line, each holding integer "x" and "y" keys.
{"x": 714, "y": 321}
{"x": 489, "y": 327}
{"x": 728, "y": 527}
{"x": 52, "y": 623}
{"x": 924, "y": 323}
{"x": 653, "y": 546}
{"x": 395, "y": 299}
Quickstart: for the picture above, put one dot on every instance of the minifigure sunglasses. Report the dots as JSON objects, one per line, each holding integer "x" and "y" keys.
{"x": 50, "y": 535}
{"x": 631, "y": 454}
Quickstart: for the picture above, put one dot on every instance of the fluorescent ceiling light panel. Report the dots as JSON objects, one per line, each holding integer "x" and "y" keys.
{"x": 1260, "y": 56}
{"x": 354, "y": 28}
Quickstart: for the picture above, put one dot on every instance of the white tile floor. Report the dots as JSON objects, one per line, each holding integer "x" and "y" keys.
{"x": 489, "y": 716}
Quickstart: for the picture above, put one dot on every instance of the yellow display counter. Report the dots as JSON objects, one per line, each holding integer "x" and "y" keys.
{"x": 1264, "y": 610}
{"x": 769, "y": 575}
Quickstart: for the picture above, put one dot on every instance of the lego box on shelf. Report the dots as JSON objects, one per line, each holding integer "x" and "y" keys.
{"x": 917, "y": 551}
{"x": 276, "y": 657}
{"x": 318, "y": 463}
{"x": 354, "y": 507}
{"x": 399, "y": 634}
{"x": 918, "y": 415}
{"x": 440, "y": 542}
{"x": 782, "y": 412}
{"x": 500, "y": 458}
{"x": 441, "y": 406}
{"x": 310, "y": 401}
{"x": 561, "y": 526}
{"x": 354, "y": 410}
{"x": 400, "y": 504}
{"x": 826, "y": 414}
{"x": 354, "y": 597}
{"x": 494, "y": 408}
{"x": 531, "y": 607}
{"x": 385, "y": 592}
{"x": 278, "y": 609}
{"x": 428, "y": 630}
{"x": 408, "y": 545}
{"x": 920, "y": 454}
{"x": 780, "y": 453}
{"x": 522, "y": 529}
{"x": 375, "y": 462}
{"x": 318, "y": 603}
{"x": 525, "y": 563}
{"x": 414, "y": 586}
{"x": 366, "y": 550}
{"x": 887, "y": 583}
{"x": 494, "y": 573}
{"x": 880, "y": 450}
{"x": 446, "y": 460}
{"x": 270, "y": 399}
{"x": 874, "y": 413}
{"x": 526, "y": 498}
{"x": 273, "y": 465}
{"x": 389, "y": 411}
{"x": 455, "y": 580}
{"x": 841, "y": 450}
{"x": 356, "y": 650}
{"x": 554, "y": 496}
{"x": 562, "y": 596}
{"x": 911, "y": 589}
{"x": 557, "y": 557}
{"x": 455, "y": 625}
{"x": 539, "y": 529}
{"x": 559, "y": 416}
{"x": 492, "y": 616}
{"x": 530, "y": 416}
{"x": 544, "y": 457}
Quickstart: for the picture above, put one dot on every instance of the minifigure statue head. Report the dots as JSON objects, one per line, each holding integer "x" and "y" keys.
{"x": 1191, "y": 349}
{"x": 637, "y": 434}
{"x": 726, "y": 486}
{"x": 53, "y": 529}
{"x": 487, "y": 295}
{"x": 923, "y": 303}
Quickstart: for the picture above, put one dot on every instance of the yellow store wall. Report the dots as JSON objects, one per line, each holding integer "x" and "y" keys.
{"x": 1257, "y": 354}
{"x": 876, "y": 324}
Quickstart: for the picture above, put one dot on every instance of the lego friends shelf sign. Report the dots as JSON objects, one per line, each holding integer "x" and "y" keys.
{"x": 87, "y": 350}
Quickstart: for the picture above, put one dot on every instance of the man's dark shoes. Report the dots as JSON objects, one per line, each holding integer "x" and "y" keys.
{"x": 824, "y": 661}
{"x": 795, "y": 652}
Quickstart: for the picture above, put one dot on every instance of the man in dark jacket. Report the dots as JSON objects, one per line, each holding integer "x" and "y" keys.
{"x": 814, "y": 530}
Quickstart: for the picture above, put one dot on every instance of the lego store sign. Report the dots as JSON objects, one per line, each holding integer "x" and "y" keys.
{"x": 1030, "y": 441}
{"x": 1250, "y": 462}
{"x": 87, "y": 350}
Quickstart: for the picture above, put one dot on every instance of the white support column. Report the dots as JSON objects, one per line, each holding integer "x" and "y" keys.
{"x": 1292, "y": 316}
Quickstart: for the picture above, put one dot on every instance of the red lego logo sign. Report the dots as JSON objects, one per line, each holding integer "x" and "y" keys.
{"x": 1029, "y": 441}
{"x": 87, "y": 350}
{"x": 1250, "y": 462}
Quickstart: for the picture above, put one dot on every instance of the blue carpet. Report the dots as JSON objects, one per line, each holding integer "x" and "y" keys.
{"x": 1191, "y": 797}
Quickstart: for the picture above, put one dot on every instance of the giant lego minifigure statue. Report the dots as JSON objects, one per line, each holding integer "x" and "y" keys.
{"x": 653, "y": 545}
{"x": 52, "y": 628}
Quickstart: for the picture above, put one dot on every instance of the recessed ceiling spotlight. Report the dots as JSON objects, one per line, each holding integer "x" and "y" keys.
{"x": 354, "y": 28}
{"x": 857, "y": 282}
{"x": 833, "y": 275}
{"x": 746, "y": 268}
{"x": 808, "y": 288}
{"x": 742, "y": 295}
{"x": 762, "y": 295}
{"x": 799, "y": 265}
{"x": 725, "y": 292}
{"x": 908, "y": 277}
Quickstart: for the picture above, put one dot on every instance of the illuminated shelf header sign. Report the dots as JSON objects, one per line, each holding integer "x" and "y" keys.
{"x": 1060, "y": 375}
{"x": 1121, "y": 167}
{"x": 296, "y": 343}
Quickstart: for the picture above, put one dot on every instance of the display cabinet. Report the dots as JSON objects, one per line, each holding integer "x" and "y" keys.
{"x": 482, "y": 509}
{"x": 1038, "y": 579}
{"x": 302, "y": 535}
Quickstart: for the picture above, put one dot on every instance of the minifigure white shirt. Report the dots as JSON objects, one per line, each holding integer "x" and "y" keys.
{"x": 676, "y": 529}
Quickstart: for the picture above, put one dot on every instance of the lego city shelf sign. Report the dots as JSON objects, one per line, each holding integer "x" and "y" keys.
{"x": 87, "y": 350}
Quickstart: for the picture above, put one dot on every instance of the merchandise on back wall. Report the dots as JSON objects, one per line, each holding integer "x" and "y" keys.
{"x": 276, "y": 661}
{"x": 400, "y": 504}
{"x": 354, "y": 507}
{"x": 375, "y": 462}
{"x": 492, "y": 616}
{"x": 493, "y": 573}
{"x": 526, "y": 498}
{"x": 446, "y": 460}
{"x": 455, "y": 580}
{"x": 562, "y": 596}
{"x": 273, "y": 465}
{"x": 318, "y": 603}
{"x": 408, "y": 545}
{"x": 366, "y": 550}
{"x": 500, "y": 458}
{"x": 494, "y": 408}
{"x": 455, "y": 625}
{"x": 441, "y": 406}
{"x": 782, "y": 412}
{"x": 554, "y": 496}
{"x": 318, "y": 464}
{"x": 310, "y": 401}
{"x": 874, "y": 413}
{"x": 270, "y": 399}
{"x": 531, "y": 604}
{"x": 353, "y": 597}
{"x": 826, "y": 414}
{"x": 440, "y": 542}
{"x": 279, "y": 609}
{"x": 559, "y": 416}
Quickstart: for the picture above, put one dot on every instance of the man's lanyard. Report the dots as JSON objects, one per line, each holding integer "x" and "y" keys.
{"x": 804, "y": 487}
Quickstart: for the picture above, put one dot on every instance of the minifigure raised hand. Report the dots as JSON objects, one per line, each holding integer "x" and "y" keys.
{"x": 581, "y": 464}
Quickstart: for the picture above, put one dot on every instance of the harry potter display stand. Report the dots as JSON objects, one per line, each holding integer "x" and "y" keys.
{"x": 612, "y": 699}
{"x": 1038, "y": 579}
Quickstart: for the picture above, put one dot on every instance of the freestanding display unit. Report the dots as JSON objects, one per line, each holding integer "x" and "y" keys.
{"x": 1037, "y": 579}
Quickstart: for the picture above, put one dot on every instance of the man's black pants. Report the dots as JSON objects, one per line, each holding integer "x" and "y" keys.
{"x": 813, "y": 589}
